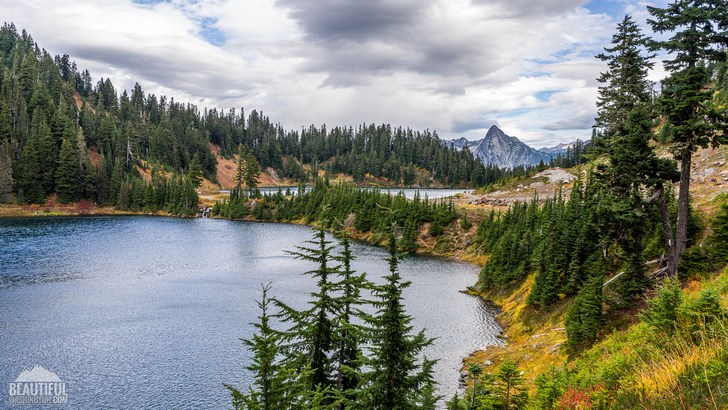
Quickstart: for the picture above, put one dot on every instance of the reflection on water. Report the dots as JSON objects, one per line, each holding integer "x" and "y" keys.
{"x": 143, "y": 312}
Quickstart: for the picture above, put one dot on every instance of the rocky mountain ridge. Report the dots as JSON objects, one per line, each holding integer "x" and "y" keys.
{"x": 499, "y": 149}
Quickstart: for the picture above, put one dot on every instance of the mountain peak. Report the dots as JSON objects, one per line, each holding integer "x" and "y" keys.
{"x": 500, "y": 149}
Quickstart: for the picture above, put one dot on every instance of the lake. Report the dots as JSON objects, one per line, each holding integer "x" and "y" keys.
{"x": 409, "y": 193}
{"x": 148, "y": 312}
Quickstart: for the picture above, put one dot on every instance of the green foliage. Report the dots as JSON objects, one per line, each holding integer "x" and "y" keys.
{"x": 465, "y": 223}
{"x": 311, "y": 332}
{"x": 67, "y": 173}
{"x": 717, "y": 244}
{"x": 6, "y": 173}
{"x": 333, "y": 354}
{"x": 550, "y": 386}
{"x": 509, "y": 386}
{"x": 195, "y": 171}
{"x": 624, "y": 84}
{"x": 705, "y": 258}
{"x": 662, "y": 310}
{"x": 28, "y": 176}
{"x": 395, "y": 380}
{"x": 500, "y": 391}
{"x": 584, "y": 318}
{"x": 562, "y": 241}
{"x": 329, "y": 205}
{"x": 274, "y": 386}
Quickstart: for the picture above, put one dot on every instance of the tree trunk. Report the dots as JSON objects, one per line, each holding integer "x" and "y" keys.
{"x": 667, "y": 233}
{"x": 683, "y": 204}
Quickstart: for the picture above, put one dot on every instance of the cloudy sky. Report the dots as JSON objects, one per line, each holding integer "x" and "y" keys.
{"x": 454, "y": 66}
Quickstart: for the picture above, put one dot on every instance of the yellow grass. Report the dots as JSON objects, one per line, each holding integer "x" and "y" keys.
{"x": 533, "y": 339}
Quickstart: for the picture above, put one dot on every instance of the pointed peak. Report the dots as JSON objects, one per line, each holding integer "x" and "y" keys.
{"x": 494, "y": 131}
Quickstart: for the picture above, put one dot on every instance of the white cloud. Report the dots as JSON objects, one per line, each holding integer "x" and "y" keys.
{"x": 453, "y": 66}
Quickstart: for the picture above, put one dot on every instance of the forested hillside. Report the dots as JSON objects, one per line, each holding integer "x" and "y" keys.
{"x": 61, "y": 132}
{"x": 592, "y": 285}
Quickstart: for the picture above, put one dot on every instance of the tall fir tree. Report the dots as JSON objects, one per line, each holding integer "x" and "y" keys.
{"x": 6, "y": 173}
{"x": 349, "y": 335}
{"x": 274, "y": 386}
{"x": 396, "y": 380}
{"x": 311, "y": 333}
{"x": 195, "y": 171}
{"x": 625, "y": 83}
{"x": 252, "y": 171}
{"x": 29, "y": 178}
{"x": 584, "y": 318}
{"x": 699, "y": 36}
{"x": 67, "y": 173}
{"x": 625, "y": 120}
{"x": 240, "y": 169}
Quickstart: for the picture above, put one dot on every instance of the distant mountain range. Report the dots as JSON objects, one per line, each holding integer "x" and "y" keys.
{"x": 505, "y": 151}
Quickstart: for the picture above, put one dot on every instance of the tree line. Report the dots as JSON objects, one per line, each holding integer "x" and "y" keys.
{"x": 61, "y": 133}
{"x": 368, "y": 210}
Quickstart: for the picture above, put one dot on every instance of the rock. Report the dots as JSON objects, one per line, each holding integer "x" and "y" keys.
{"x": 709, "y": 171}
{"x": 719, "y": 164}
{"x": 487, "y": 363}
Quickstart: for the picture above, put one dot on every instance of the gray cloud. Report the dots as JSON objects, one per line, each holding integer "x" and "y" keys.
{"x": 460, "y": 126}
{"x": 195, "y": 77}
{"x": 582, "y": 121}
{"x": 334, "y": 20}
{"x": 525, "y": 8}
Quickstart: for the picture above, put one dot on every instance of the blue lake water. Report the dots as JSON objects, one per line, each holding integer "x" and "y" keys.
{"x": 146, "y": 312}
{"x": 409, "y": 193}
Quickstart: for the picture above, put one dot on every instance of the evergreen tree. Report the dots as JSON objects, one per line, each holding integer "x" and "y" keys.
{"x": 625, "y": 83}
{"x": 396, "y": 379}
{"x": 275, "y": 385}
{"x": 46, "y": 148}
{"x": 101, "y": 181}
{"x": 510, "y": 386}
{"x": 6, "y": 173}
{"x": 311, "y": 334}
{"x": 240, "y": 169}
{"x": 29, "y": 178}
{"x": 718, "y": 242}
{"x": 87, "y": 177}
{"x": 584, "y": 318}
{"x": 699, "y": 37}
{"x": 626, "y": 120}
{"x": 349, "y": 335}
{"x": 67, "y": 173}
{"x": 124, "y": 200}
{"x": 252, "y": 171}
{"x": 662, "y": 309}
{"x": 195, "y": 171}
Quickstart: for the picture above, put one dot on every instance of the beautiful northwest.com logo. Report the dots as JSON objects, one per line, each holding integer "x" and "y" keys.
{"x": 37, "y": 386}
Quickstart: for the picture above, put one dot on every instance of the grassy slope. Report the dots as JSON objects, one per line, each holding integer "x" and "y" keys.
{"x": 652, "y": 372}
